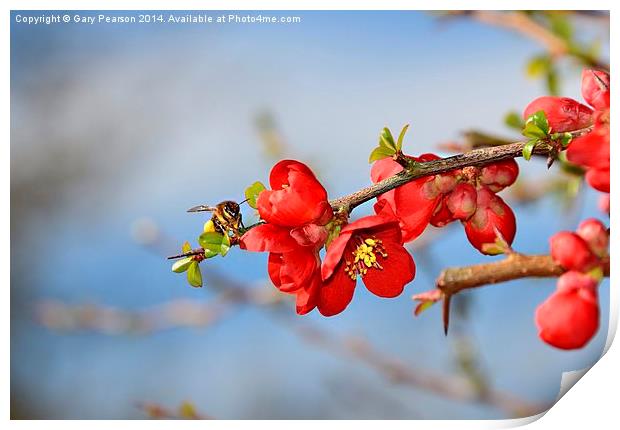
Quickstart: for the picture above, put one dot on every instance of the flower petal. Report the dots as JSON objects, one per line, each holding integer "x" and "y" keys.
{"x": 307, "y": 297}
{"x": 268, "y": 237}
{"x": 292, "y": 271}
{"x": 297, "y": 197}
{"x": 336, "y": 293}
{"x": 398, "y": 270}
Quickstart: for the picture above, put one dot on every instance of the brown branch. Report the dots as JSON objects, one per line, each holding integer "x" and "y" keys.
{"x": 477, "y": 157}
{"x": 515, "y": 266}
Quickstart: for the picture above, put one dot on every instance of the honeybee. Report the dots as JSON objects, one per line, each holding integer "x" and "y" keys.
{"x": 226, "y": 217}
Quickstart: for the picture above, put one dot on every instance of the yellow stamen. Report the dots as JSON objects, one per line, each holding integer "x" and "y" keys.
{"x": 365, "y": 257}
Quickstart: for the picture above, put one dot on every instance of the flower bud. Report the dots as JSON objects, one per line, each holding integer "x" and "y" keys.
{"x": 572, "y": 252}
{"x": 595, "y": 234}
{"x": 595, "y": 88}
{"x": 598, "y": 179}
{"x": 498, "y": 176}
{"x": 563, "y": 114}
{"x": 442, "y": 215}
{"x": 492, "y": 217}
{"x": 569, "y": 318}
{"x": 462, "y": 201}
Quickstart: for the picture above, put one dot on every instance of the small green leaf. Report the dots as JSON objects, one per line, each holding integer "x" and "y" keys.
{"x": 529, "y": 148}
{"x": 386, "y": 139}
{"x": 214, "y": 243}
{"x": 225, "y": 247}
{"x": 513, "y": 120}
{"x": 553, "y": 85}
{"x": 186, "y": 247}
{"x": 194, "y": 277}
{"x": 182, "y": 265}
{"x": 401, "y": 136}
{"x": 492, "y": 249}
{"x": 252, "y": 192}
{"x": 563, "y": 138}
{"x": 536, "y": 126}
{"x": 379, "y": 153}
{"x": 333, "y": 233}
{"x": 421, "y": 307}
{"x": 538, "y": 66}
{"x": 561, "y": 26}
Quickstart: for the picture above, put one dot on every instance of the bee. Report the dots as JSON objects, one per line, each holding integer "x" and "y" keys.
{"x": 226, "y": 217}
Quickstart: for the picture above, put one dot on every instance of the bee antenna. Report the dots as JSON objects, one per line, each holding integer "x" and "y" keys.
{"x": 245, "y": 201}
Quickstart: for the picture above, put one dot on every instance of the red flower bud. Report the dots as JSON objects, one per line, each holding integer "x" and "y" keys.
{"x": 595, "y": 234}
{"x": 498, "y": 176}
{"x": 492, "y": 217}
{"x": 572, "y": 252}
{"x": 462, "y": 201}
{"x": 569, "y": 317}
{"x": 442, "y": 215}
{"x": 563, "y": 114}
{"x": 595, "y": 88}
{"x": 603, "y": 203}
{"x": 598, "y": 179}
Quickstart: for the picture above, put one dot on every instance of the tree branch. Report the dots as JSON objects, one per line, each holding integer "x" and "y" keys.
{"x": 515, "y": 266}
{"x": 477, "y": 157}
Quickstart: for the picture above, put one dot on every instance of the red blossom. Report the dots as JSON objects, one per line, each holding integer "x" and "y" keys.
{"x": 595, "y": 234}
{"x": 569, "y": 318}
{"x": 572, "y": 252}
{"x": 372, "y": 249}
{"x": 591, "y": 150}
{"x": 462, "y": 201}
{"x": 296, "y": 211}
{"x": 415, "y": 202}
{"x": 563, "y": 113}
{"x": 500, "y": 175}
{"x": 492, "y": 220}
{"x": 595, "y": 88}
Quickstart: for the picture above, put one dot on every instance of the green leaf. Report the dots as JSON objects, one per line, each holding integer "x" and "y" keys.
{"x": 214, "y": 244}
{"x": 563, "y": 138}
{"x": 194, "y": 277}
{"x": 513, "y": 120}
{"x": 186, "y": 247}
{"x": 379, "y": 153}
{"x": 529, "y": 148}
{"x": 553, "y": 85}
{"x": 561, "y": 26}
{"x": 421, "y": 307}
{"x": 401, "y": 136}
{"x": 536, "y": 126}
{"x": 182, "y": 265}
{"x": 386, "y": 139}
{"x": 252, "y": 192}
{"x": 333, "y": 233}
{"x": 538, "y": 66}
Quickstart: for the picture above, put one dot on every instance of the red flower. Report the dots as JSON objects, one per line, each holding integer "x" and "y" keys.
{"x": 596, "y": 236}
{"x": 371, "y": 248}
{"x": 296, "y": 211}
{"x": 462, "y": 201}
{"x": 569, "y": 317}
{"x": 500, "y": 175}
{"x": 415, "y": 202}
{"x": 493, "y": 218}
{"x": 591, "y": 150}
{"x": 572, "y": 252}
{"x": 563, "y": 113}
{"x": 595, "y": 88}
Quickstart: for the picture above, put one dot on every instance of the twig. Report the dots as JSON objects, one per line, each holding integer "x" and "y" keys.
{"x": 515, "y": 266}
{"x": 477, "y": 157}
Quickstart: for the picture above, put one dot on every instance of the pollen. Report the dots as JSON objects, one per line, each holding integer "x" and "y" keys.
{"x": 364, "y": 257}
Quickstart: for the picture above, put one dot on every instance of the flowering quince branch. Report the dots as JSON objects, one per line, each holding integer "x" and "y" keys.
{"x": 297, "y": 221}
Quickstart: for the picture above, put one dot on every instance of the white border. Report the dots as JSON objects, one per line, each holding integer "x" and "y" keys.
{"x": 592, "y": 403}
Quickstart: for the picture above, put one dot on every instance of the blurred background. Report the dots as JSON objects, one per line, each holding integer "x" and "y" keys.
{"x": 117, "y": 129}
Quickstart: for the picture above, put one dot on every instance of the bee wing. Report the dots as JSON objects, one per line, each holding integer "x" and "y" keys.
{"x": 202, "y": 208}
